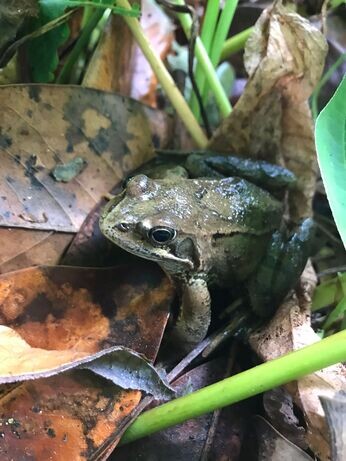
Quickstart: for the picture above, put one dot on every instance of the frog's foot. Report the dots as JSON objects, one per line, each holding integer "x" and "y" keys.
{"x": 280, "y": 269}
{"x": 263, "y": 174}
{"x": 194, "y": 317}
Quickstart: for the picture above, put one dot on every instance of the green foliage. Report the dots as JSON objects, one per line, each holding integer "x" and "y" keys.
{"x": 332, "y": 292}
{"x": 43, "y": 51}
{"x": 335, "y": 3}
{"x": 330, "y": 137}
{"x": 329, "y": 292}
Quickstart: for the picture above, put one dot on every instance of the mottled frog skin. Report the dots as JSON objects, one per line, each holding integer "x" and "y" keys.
{"x": 206, "y": 232}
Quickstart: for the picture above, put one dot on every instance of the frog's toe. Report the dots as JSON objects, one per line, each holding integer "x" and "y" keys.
{"x": 294, "y": 258}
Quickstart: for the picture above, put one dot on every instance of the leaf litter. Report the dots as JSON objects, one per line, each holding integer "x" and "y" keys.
{"x": 261, "y": 129}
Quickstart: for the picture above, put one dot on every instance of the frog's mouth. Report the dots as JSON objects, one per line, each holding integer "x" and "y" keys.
{"x": 161, "y": 255}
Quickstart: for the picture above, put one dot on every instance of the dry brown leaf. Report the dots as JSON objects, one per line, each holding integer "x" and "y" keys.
{"x": 24, "y": 248}
{"x": 64, "y": 313}
{"x": 28, "y": 156}
{"x": 290, "y": 330}
{"x": 74, "y": 416}
{"x": 284, "y": 58}
{"x": 110, "y": 66}
{"x": 42, "y": 126}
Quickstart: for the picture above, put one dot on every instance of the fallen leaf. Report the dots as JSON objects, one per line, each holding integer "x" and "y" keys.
{"x": 216, "y": 435}
{"x": 273, "y": 446}
{"x": 42, "y": 126}
{"x": 77, "y": 415}
{"x": 290, "y": 330}
{"x": 335, "y": 410}
{"x": 22, "y": 248}
{"x": 122, "y": 366}
{"x": 284, "y": 58}
{"x": 110, "y": 66}
{"x": 72, "y": 416}
{"x": 279, "y": 409}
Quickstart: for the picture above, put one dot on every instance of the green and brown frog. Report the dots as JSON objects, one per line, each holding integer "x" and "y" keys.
{"x": 221, "y": 228}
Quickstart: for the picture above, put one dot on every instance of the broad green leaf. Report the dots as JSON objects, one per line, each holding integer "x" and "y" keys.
{"x": 330, "y": 135}
{"x": 43, "y": 51}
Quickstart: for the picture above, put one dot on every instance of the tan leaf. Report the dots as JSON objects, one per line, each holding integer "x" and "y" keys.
{"x": 43, "y": 126}
{"x": 284, "y": 58}
{"x": 110, "y": 66}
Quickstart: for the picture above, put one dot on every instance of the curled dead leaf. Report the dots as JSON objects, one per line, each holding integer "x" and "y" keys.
{"x": 284, "y": 58}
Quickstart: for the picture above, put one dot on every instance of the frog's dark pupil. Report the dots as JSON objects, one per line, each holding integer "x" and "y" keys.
{"x": 162, "y": 234}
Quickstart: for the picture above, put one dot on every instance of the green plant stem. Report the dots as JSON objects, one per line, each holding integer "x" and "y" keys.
{"x": 207, "y": 34}
{"x": 220, "y": 36}
{"x": 322, "y": 82}
{"x": 222, "y": 30}
{"x": 165, "y": 79}
{"x": 235, "y": 43}
{"x": 203, "y": 58}
{"x": 81, "y": 43}
{"x": 241, "y": 386}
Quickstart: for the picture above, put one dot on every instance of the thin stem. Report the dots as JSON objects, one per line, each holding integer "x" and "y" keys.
{"x": 207, "y": 34}
{"x": 220, "y": 36}
{"x": 81, "y": 43}
{"x": 222, "y": 30}
{"x": 259, "y": 379}
{"x": 322, "y": 82}
{"x": 235, "y": 43}
{"x": 203, "y": 58}
{"x": 165, "y": 79}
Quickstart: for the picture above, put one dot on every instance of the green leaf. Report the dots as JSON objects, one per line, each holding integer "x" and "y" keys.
{"x": 330, "y": 135}
{"x": 43, "y": 51}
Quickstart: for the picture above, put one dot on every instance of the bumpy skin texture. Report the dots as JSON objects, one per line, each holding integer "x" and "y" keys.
{"x": 203, "y": 232}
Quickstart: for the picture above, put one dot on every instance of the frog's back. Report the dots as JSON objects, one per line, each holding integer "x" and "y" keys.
{"x": 236, "y": 205}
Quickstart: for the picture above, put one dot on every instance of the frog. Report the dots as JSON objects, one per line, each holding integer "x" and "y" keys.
{"x": 214, "y": 229}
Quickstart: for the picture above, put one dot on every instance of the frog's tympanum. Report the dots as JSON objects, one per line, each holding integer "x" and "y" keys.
{"x": 205, "y": 232}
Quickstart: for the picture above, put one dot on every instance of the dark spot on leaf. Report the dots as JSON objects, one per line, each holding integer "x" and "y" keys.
{"x": 47, "y": 106}
{"x": 5, "y": 140}
{"x": 17, "y": 158}
{"x": 39, "y": 309}
{"x": 36, "y": 409}
{"x": 51, "y": 432}
{"x": 69, "y": 148}
{"x": 101, "y": 141}
{"x": 24, "y": 132}
{"x": 29, "y": 113}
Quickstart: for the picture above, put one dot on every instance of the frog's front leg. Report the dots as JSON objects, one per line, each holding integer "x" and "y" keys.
{"x": 280, "y": 269}
{"x": 194, "y": 316}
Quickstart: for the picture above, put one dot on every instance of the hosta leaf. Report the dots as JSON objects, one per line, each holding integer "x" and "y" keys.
{"x": 330, "y": 136}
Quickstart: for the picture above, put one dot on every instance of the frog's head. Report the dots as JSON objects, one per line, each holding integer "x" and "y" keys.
{"x": 148, "y": 219}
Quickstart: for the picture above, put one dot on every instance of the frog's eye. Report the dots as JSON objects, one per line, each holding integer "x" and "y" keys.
{"x": 161, "y": 235}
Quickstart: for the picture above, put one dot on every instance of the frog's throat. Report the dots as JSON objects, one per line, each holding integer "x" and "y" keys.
{"x": 161, "y": 255}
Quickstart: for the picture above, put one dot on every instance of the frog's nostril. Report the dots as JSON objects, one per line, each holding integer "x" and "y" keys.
{"x": 123, "y": 227}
